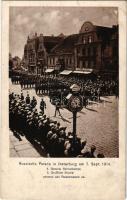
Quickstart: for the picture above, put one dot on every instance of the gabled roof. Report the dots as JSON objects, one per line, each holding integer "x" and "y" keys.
{"x": 51, "y": 41}
{"x": 66, "y": 45}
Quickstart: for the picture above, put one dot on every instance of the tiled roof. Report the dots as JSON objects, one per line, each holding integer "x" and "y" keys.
{"x": 51, "y": 41}
{"x": 66, "y": 45}
{"x": 104, "y": 32}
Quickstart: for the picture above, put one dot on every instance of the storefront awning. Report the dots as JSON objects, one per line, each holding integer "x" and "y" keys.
{"x": 65, "y": 72}
{"x": 49, "y": 70}
{"x": 83, "y": 71}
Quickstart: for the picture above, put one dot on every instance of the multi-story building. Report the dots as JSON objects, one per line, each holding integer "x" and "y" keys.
{"x": 36, "y": 51}
{"x": 93, "y": 48}
{"x": 63, "y": 54}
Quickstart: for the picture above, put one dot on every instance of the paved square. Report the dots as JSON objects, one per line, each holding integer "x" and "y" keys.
{"x": 98, "y": 123}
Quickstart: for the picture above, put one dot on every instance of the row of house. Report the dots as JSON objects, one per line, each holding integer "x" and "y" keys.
{"x": 93, "y": 48}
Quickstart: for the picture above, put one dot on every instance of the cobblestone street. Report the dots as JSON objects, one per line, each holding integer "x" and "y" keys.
{"x": 98, "y": 124}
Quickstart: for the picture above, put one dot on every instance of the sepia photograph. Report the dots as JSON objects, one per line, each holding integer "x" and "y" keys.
{"x": 63, "y": 82}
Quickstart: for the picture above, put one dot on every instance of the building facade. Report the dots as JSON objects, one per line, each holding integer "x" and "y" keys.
{"x": 63, "y": 55}
{"x": 93, "y": 48}
{"x": 36, "y": 52}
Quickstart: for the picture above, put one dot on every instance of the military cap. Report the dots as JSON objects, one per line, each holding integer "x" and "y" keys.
{"x": 30, "y": 123}
{"x": 54, "y": 136}
{"x": 49, "y": 134}
{"x": 40, "y": 124}
{"x": 70, "y": 137}
{"x": 29, "y": 113}
{"x": 26, "y": 109}
{"x": 84, "y": 150}
{"x": 40, "y": 117}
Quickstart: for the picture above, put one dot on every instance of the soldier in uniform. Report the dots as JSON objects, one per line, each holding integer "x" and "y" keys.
{"x": 27, "y": 99}
{"x": 42, "y": 106}
{"x": 57, "y": 110}
{"x": 33, "y": 102}
{"x": 22, "y": 96}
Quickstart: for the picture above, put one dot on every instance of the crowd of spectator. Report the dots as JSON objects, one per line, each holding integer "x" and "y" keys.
{"x": 26, "y": 120}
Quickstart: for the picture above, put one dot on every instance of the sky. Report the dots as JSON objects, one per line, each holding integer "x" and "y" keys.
{"x": 24, "y": 21}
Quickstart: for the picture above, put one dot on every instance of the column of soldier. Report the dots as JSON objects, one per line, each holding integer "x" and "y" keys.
{"x": 91, "y": 88}
{"x": 25, "y": 120}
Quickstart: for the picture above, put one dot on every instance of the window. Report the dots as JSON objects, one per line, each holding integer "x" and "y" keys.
{"x": 86, "y": 64}
{"x": 92, "y": 64}
{"x": 42, "y": 53}
{"x": 90, "y": 39}
{"x": 70, "y": 61}
{"x": 48, "y": 60}
{"x": 84, "y": 40}
{"x": 67, "y": 61}
{"x": 83, "y": 51}
{"x": 94, "y": 50}
{"x": 33, "y": 57}
{"x": 78, "y": 51}
{"x": 53, "y": 60}
{"x": 91, "y": 51}
{"x": 86, "y": 52}
{"x": 81, "y": 64}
